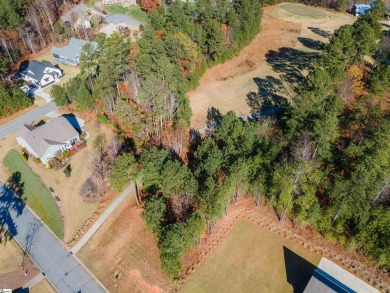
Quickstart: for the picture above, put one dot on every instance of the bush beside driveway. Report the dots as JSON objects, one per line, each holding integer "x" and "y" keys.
{"x": 35, "y": 193}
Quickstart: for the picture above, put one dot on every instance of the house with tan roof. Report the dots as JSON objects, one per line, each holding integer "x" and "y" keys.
{"x": 78, "y": 17}
{"x": 45, "y": 141}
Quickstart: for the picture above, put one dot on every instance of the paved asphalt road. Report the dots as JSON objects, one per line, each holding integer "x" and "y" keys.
{"x": 103, "y": 218}
{"x": 61, "y": 268}
{"x": 26, "y": 118}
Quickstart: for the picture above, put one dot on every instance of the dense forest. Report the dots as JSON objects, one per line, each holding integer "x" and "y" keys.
{"x": 322, "y": 160}
{"x": 12, "y": 100}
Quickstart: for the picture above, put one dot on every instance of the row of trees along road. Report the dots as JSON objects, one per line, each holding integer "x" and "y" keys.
{"x": 322, "y": 161}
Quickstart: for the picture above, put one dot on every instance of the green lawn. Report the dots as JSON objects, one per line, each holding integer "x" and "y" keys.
{"x": 302, "y": 10}
{"x": 90, "y": 3}
{"x": 35, "y": 193}
{"x": 135, "y": 12}
{"x": 253, "y": 260}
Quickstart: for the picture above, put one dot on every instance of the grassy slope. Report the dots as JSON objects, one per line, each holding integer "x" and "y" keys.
{"x": 135, "y": 12}
{"x": 252, "y": 260}
{"x": 35, "y": 193}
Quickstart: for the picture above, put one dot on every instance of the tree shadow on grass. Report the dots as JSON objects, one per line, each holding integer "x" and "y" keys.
{"x": 311, "y": 44}
{"x": 298, "y": 270}
{"x": 320, "y": 32}
{"x": 290, "y": 63}
{"x": 10, "y": 201}
{"x": 269, "y": 96}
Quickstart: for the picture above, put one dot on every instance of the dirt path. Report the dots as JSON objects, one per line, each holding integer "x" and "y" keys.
{"x": 290, "y": 38}
{"x": 308, "y": 238}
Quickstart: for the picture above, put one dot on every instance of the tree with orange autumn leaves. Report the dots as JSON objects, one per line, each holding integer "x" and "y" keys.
{"x": 149, "y": 5}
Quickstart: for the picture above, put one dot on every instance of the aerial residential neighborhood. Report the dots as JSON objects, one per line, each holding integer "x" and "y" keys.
{"x": 194, "y": 146}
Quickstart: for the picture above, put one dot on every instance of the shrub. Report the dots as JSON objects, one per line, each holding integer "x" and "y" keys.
{"x": 65, "y": 154}
{"x": 24, "y": 156}
{"x": 102, "y": 118}
{"x": 55, "y": 163}
{"x": 37, "y": 161}
{"x": 83, "y": 136}
{"x": 67, "y": 170}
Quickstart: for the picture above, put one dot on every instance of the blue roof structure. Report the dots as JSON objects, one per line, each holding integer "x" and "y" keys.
{"x": 70, "y": 54}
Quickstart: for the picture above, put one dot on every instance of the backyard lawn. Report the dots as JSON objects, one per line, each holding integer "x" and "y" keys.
{"x": 254, "y": 260}
{"x": 35, "y": 193}
{"x": 135, "y": 12}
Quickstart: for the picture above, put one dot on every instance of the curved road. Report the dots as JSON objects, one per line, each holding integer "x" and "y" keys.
{"x": 26, "y": 118}
{"x": 61, "y": 267}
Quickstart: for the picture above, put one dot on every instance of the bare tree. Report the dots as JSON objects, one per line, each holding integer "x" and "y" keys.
{"x": 30, "y": 239}
{"x": 47, "y": 10}
{"x": 37, "y": 25}
{"x": 6, "y": 49}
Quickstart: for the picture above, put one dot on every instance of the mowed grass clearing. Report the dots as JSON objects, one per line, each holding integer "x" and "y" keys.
{"x": 135, "y": 12}
{"x": 253, "y": 260}
{"x": 35, "y": 193}
{"x": 303, "y": 10}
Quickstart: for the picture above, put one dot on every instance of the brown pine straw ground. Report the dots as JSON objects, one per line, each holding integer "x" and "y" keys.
{"x": 246, "y": 210}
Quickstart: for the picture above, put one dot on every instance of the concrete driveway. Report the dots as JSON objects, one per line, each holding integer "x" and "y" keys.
{"x": 121, "y": 19}
{"x": 61, "y": 268}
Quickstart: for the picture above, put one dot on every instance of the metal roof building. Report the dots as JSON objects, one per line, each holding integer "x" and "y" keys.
{"x": 328, "y": 277}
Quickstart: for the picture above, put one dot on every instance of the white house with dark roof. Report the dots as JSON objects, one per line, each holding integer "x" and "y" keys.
{"x": 40, "y": 73}
{"x": 70, "y": 54}
{"x": 78, "y": 17}
{"x": 45, "y": 141}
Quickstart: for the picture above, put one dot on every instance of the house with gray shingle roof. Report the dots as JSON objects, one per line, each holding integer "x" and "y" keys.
{"x": 40, "y": 73}
{"x": 70, "y": 54}
{"x": 45, "y": 141}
